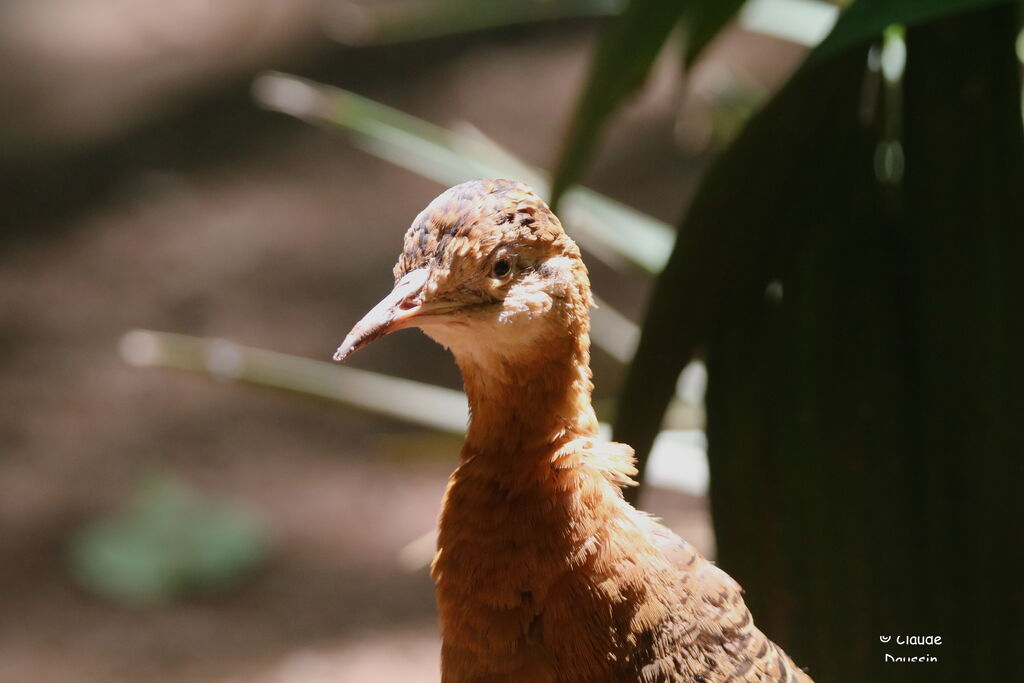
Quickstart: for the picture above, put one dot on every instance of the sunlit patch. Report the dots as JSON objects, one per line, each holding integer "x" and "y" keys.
{"x": 889, "y": 161}
{"x": 893, "y": 56}
{"x": 1020, "y": 58}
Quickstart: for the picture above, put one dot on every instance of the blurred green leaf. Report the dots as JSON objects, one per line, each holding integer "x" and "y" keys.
{"x": 374, "y": 23}
{"x": 633, "y": 40}
{"x": 702, "y": 20}
{"x": 606, "y": 228}
{"x": 846, "y": 319}
{"x": 623, "y": 57}
{"x": 168, "y": 542}
{"x": 404, "y": 399}
{"x": 861, "y": 342}
{"x": 710, "y": 243}
{"x": 866, "y": 19}
{"x": 622, "y": 60}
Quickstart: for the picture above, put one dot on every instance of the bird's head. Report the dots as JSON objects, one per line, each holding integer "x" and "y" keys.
{"x": 487, "y": 271}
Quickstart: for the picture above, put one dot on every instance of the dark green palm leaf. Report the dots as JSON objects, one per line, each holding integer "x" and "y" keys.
{"x": 860, "y": 332}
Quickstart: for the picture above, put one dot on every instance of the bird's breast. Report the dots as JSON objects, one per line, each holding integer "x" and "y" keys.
{"x": 539, "y": 585}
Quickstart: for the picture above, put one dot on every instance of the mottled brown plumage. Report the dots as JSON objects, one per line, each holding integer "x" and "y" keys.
{"x": 544, "y": 573}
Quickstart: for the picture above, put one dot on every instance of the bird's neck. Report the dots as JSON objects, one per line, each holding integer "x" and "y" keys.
{"x": 524, "y": 407}
{"x": 526, "y": 525}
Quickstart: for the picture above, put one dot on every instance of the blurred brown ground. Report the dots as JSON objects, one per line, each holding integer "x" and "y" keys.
{"x": 142, "y": 188}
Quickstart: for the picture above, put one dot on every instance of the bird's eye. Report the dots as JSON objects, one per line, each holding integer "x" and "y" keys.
{"x": 502, "y": 267}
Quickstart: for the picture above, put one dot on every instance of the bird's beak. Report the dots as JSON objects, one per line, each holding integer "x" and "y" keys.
{"x": 400, "y": 309}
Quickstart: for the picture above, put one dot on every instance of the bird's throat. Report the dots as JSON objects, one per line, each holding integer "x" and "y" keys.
{"x": 524, "y": 407}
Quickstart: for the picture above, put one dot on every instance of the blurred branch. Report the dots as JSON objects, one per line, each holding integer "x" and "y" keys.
{"x": 616, "y": 334}
{"x": 406, "y": 400}
{"x": 365, "y": 24}
{"x": 417, "y": 553}
{"x": 678, "y": 460}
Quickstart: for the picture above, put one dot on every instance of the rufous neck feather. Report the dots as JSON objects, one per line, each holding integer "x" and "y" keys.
{"x": 526, "y": 405}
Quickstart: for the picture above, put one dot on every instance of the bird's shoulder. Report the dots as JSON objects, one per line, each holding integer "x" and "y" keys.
{"x": 716, "y": 619}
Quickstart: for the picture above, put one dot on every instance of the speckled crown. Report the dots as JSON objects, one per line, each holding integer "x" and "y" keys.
{"x": 477, "y": 216}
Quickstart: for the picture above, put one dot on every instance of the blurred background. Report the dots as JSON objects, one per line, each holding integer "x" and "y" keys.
{"x": 187, "y": 187}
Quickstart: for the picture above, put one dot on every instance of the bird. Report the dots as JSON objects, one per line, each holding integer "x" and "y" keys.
{"x": 543, "y": 572}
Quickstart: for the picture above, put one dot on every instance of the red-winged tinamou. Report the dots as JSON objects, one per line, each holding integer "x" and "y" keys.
{"x": 544, "y": 573}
